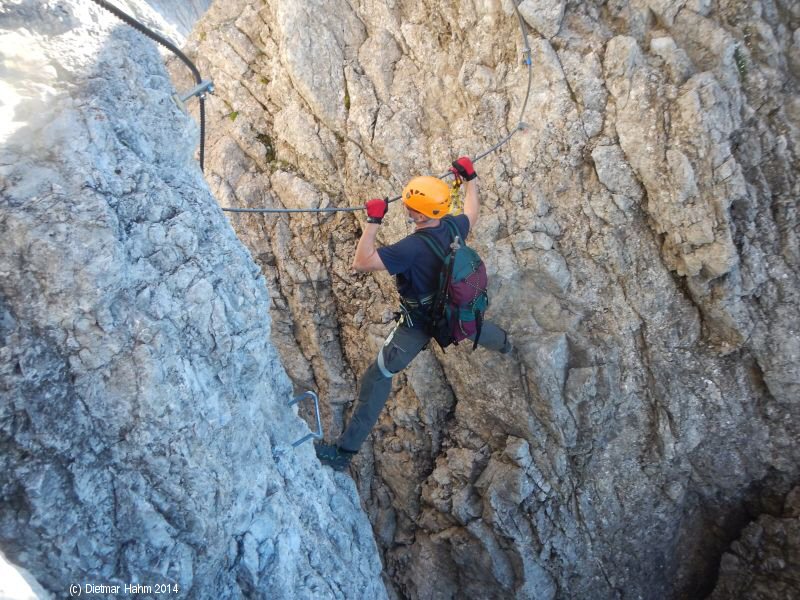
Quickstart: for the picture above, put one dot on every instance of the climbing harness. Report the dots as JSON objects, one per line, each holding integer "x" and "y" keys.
{"x": 519, "y": 126}
{"x": 200, "y": 90}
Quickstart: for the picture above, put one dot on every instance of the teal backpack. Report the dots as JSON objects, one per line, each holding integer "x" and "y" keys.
{"x": 461, "y": 299}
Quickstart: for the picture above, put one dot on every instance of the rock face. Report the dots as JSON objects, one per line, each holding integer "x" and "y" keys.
{"x": 144, "y": 430}
{"x": 765, "y": 561}
{"x": 182, "y": 15}
{"x": 642, "y": 242}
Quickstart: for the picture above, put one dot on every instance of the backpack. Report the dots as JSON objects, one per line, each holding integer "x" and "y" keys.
{"x": 461, "y": 299}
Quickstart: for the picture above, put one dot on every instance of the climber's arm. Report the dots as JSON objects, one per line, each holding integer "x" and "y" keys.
{"x": 367, "y": 258}
{"x": 465, "y": 171}
{"x": 472, "y": 205}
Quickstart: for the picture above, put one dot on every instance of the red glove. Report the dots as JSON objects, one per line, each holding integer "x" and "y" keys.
{"x": 376, "y": 210}
{"x": 463, "y": 169}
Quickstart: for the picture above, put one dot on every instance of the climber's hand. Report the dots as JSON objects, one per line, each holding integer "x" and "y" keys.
{"x": 463, "y": 169}
{"x": 376, "y": 209}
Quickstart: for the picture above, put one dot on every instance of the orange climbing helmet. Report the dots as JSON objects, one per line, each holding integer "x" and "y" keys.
{"x": 427, "y": 195}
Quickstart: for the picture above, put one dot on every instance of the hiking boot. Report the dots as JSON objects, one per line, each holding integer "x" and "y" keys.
{"x": 333, "y": 456}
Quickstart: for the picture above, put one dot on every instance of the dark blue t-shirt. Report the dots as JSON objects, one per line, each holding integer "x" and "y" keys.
{"x": 414, "y": 263}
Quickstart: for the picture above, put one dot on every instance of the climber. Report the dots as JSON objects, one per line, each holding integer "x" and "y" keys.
{"x": 416, "y": 267}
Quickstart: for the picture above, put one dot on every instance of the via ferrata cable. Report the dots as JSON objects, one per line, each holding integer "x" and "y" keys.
{"x": 129, "y": 20}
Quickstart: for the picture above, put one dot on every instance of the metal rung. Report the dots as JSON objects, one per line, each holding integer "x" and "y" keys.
{"x": 318, "y": 434}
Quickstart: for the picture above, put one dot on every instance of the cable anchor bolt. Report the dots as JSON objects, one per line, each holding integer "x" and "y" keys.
{"x": 200, "y": 90}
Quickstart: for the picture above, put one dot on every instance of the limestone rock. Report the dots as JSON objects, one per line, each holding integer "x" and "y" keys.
{"x": 765, "y": 561}
{"x": 616, "y": 175}
{"x": 182, "y": 15}
{"x": 544, "y": 17}
{"x": 144, "y": 429}
{"x": 641, "y": 241}
{"x": 18, "y": 584}
{"x": 676, "y": 60}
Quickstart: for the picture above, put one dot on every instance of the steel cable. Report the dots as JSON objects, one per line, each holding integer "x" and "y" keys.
{"x": 129, "y": 20}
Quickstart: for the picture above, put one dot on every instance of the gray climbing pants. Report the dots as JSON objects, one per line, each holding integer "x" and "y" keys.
{"x": 399, "y": 349}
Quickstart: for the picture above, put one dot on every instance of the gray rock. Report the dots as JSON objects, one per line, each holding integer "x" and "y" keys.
{"x": 313, "y": 51}
{"x": 544, "y": 17}
{"x": 144, "y": 423}
{"x": 666, "y": 10}
{"x": 641, "y": 241}
{"x": 18, "y": 584}
{"x": 183, "y": 15}
{"x": 765, "y": 561}
{"x": 618, "y": 178}
{"x": 642, "y": 252}
{"x": 677, "y": 62}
